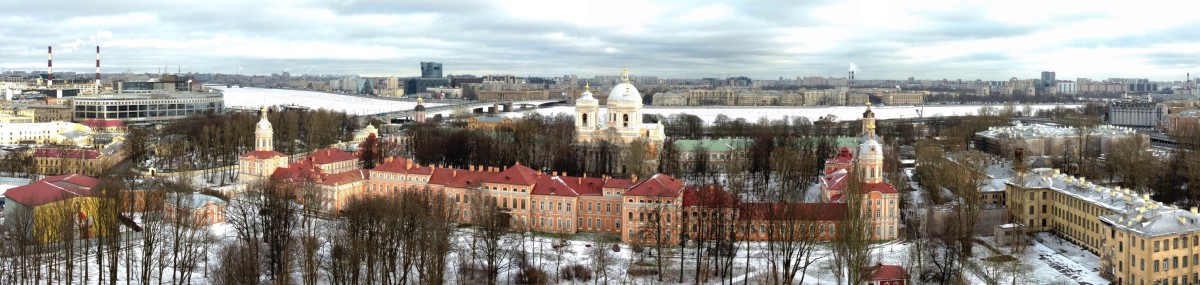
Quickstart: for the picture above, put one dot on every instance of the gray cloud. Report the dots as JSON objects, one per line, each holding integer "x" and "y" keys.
{"x": 761, "y": 39}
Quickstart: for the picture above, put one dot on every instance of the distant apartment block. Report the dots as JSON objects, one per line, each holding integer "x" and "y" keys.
{"x": 1137, "y": 115}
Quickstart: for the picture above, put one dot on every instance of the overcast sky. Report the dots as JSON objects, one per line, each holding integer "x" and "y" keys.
{"x": 991, "y": 40}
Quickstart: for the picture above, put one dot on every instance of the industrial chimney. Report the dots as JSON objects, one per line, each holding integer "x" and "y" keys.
{"x": 97, "y": 66}
{"x": 50, "y": 65}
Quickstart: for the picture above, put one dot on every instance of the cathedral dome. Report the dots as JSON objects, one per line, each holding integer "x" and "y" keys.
{"x": 869, "y": 146}
{"x": 263, "y": 124}
{"x": 586, "y": 97}
{"x": 625, "y": 92}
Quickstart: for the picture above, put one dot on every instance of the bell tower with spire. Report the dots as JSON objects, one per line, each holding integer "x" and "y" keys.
{"x": 870, "y": 152}
{"x": 264, "y": 135}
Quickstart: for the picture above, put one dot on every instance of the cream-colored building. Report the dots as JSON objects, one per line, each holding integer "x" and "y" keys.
{"x": 263, "y": 161}
{"x": 1139, "y": 240}
{"x": 621, "y": 120}
{"x": 43, "y": 133}
{"x": 827, "y": 97}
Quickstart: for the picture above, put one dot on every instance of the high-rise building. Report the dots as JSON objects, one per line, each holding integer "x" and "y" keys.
{"x": 431, "y": 70}
{"x": 1047, "y": 79}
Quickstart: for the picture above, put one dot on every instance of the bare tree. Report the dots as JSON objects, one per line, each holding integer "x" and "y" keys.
{"x": 851, "y": 245}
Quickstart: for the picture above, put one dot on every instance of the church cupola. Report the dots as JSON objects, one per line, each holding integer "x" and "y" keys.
{"x": 263, "y": 133}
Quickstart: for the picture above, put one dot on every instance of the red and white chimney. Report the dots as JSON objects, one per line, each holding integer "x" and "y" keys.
{"x": 97, "y": 65}
{"x": 50, "y": 65}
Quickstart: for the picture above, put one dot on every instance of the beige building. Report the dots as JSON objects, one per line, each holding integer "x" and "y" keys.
{"x": 1139, "y": 240}
{"x": 827, "y": 97}
{"x": 1042, "y": 140}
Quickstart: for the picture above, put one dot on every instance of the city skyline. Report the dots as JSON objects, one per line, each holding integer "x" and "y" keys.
{"x": 925, "y": 39}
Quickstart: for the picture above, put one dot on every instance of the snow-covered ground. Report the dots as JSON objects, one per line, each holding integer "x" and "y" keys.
{"x": 258, "y": 97}
{"x": 843, "y": 113}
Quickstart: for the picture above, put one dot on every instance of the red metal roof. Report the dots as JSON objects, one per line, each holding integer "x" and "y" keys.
{"x": 401, "y": 165}
{"x": 443, "y": 176}
{"x": 660, "y": 185}
{"x": 331, "y": 155}
{"x": 66, "y": 153}
{"x": 710, "y": 197}
{"x": 469, "y": 179}
{"x": 52, "y": 189}
{"x": 345, "y": 177}
{"x": 588, "y": 186}
{"x": 263, "y": 154}
{"x": 552, "y": 186}
{"x": 101, "y": 123}
{"x": 882, "y": 187}
{"x": 618, "y": 183}
{"x": 516, "y": 175}
{"x": 884, "y": 272}
{"x": 836, "y": 180}
{"x": 792, "y": 211}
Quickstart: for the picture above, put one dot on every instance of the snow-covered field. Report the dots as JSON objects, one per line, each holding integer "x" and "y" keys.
{"x": 258, "y": 97}
{"x": 843, "y": 113}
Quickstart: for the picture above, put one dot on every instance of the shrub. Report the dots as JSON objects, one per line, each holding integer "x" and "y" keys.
{"x": 575, "y": 272}
{"x": 532, "y": 275}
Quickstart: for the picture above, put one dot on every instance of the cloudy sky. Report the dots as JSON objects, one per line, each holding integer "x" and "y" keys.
{"x": 991, "y": 40}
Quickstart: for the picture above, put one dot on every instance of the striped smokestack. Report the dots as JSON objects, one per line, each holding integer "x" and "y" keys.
{"x": 97, "y": 65}
{"x": 50, "y": 63}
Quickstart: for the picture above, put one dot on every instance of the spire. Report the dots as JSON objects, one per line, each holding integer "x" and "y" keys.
{"x": 587, "y": 87}
{"x": 625, "y": 75}
{"x": 419, "y": 100}
{"x": 263, "y": 113}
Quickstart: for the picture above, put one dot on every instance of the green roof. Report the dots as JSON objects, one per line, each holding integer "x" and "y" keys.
{"x": 849, "y": 142}
{"x": 717, "y": 145}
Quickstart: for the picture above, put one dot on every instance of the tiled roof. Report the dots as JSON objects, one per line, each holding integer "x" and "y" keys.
{"x": 52, "y": 189}
{"x": 516, "y": 175}
{"x": 443, "y": 176}
{"x": 888, "y": 272}
{"x": 792, "y": 211}
{"x": 660, "y": 185}
{"x": 553, "y": 186}
{"x": 66, "y": 153}
{"x": 331, "y": 155}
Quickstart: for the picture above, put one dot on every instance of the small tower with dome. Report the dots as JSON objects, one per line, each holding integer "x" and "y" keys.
{"x": 420, "y": 111}
{"x": 263, "y": 160}
{"x": 264, "y": 135}
{"x": 870, "y": 152}
{"x": 587, "y": 112}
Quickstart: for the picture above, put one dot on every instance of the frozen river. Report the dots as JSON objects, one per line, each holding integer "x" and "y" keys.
{"x": 710, "y": 114}
{"x": 259, "y": 97}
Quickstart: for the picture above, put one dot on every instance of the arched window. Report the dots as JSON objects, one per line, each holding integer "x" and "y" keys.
{"x": 625, "y": 119}
{"x": 585, "y": 119}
